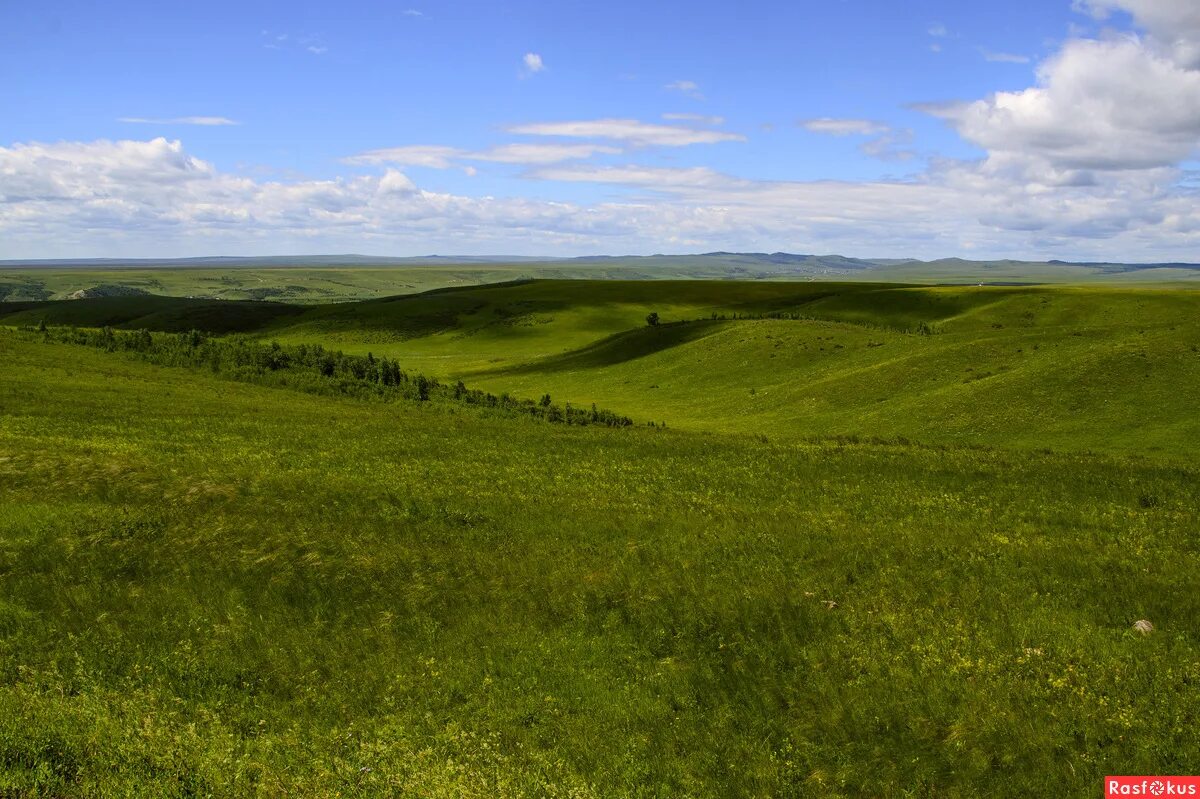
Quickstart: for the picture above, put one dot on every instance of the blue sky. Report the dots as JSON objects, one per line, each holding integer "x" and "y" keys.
{"x": 569, "y": 128}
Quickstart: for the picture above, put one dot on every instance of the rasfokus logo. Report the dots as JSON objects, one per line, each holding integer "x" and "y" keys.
{"x": 1151, "y": 786}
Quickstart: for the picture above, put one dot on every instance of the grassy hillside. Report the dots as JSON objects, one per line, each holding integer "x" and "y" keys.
{"x": 170, "y": 314}
{"x": 301, "y": 285}
{"x": 1040, "y": 369}
{"x": 1099, "y": 369}
{"x": 1032, "y": 367}
{"x": 215, "y": 588}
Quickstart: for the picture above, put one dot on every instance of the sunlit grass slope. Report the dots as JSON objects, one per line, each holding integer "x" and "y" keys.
{"x": 1101, "y": 369}
{"x": 512, "y": 323}
{"x": 214, "y": 588}
{"x": 1126, "y": 391}
{"x": 1067, "y": 368}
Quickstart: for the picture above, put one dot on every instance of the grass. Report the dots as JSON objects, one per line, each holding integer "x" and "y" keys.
{"x": 302, "y": 285}
{"x": 1106, "y": 370}
{"x": 213, "y": 587}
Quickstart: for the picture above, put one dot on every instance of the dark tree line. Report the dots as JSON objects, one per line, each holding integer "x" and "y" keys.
{"x": 313, "y": 368}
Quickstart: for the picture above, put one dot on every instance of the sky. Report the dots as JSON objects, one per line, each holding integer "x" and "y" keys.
{"x": 1032, "y": 129}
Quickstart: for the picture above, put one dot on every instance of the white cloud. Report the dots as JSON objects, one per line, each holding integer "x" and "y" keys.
{"x": 151, "y": 197}
{"x": 1111, "y": 104}
{"x": 1084, "y": 164}
{"x": 207, "y": 121}
{"x": 412, "y": 12}
{"x": 440, "y": 157}
{"x": 540, "y": 153}
{"x": 688, "y": 87}
{"x": 658, "y": 178}
{"x": 700, "y": 118}
{"x": 886, "y": 143}
{"x": 938, "y": 30}
{"x": 533, "y": 63}
{"x": 844, "y": 127}
{"x": 316, "y": 49}
{"x": 1003, "y": 58}
{"x": 433, "y": 156}
{"x": 891, "y": 145}
{"x": 1173, "y": 25}
{"x": 631, "y": 131}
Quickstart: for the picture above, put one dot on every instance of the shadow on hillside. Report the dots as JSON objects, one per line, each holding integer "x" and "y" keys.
{"x": 165, "y": 314}
{"x": 622, "y": 347}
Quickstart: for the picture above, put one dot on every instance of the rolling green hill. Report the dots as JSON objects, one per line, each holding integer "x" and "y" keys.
{"x": 300, "y": 285}
{"x": 1032, "y": 367}
{"x": 213, "y": 588}
{"x": 149, "y": 312}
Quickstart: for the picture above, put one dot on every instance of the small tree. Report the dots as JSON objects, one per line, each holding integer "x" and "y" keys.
{"x": 652, "y": 319}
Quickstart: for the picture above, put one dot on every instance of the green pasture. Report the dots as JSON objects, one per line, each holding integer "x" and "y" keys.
{"x": 891, "y": 543}
{"x": 219, "y": 589}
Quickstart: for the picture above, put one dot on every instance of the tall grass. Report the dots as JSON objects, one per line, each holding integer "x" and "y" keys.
{"x": 219, "y": 588}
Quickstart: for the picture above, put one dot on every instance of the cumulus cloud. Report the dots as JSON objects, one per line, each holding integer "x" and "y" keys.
{"x": 134, "y": 197}
{"x": 631, "y": 131}
{"x": 95, "y": 170}
{"x": 1085, "y": 163}
{"x": 208, "y": 121}
{"x": 1173, "y": 26}
{"x": 1099, "y": 104}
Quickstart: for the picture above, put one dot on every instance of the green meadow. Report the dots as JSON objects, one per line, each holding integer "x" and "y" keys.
{"x": 882, "y": 541}
{"x": 1080, "y": 369}
{"x": 306, "y": 285}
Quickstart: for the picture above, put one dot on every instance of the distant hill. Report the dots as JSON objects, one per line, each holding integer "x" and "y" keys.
{"x": 755, "y": 264}
{"x": 317, "y": 279}
{"x": 262, "y": 261}
{"x": 1097, "y": 367}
